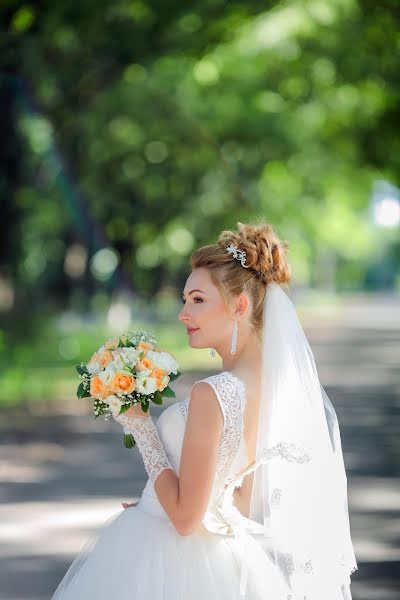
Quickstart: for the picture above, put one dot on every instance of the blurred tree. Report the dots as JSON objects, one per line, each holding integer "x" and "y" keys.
{"x": 173, "y": 117}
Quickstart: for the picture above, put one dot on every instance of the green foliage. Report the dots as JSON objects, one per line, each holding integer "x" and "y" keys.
{"x": 191, "y": 114}
{"x": 136, "y": 132}
{"x": 82, "y": 392}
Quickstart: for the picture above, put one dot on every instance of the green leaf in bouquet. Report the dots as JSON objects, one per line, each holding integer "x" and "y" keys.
{"x": 145, "y": 405}
{"x": 82, "y": 392}
{"x": 82, "y": 370}
{"x": 157, "y": 398}
{"x": 168, "y": 392}
{"x": 124, "y": 408}
{"x": 174, "y": 376}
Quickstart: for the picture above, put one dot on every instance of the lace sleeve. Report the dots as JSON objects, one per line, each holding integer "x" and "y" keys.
{"x": 148, "y": 441}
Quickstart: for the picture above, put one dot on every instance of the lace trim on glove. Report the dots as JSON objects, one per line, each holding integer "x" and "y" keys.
{"x": 148, "y": 441}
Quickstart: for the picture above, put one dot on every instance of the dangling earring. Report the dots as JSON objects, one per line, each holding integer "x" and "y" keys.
{"x": 212, "y": 352}
{"x": 234, "y": 338}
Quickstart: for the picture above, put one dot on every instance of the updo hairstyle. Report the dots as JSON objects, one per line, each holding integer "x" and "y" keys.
{"x": 265, "y": 258}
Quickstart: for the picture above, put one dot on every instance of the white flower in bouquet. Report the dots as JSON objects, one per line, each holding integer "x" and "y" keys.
{"x": 118, "y": 361}
{"x": 163, "y": 360}
{"x": 107, "y": 374}
{"x": 145, "y": 384}
{"x": 130, "y": 355}
{"x": 114, "y": 404}
{"x": 93, "y": 367}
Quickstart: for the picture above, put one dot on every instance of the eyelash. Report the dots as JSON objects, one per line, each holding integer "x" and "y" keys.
{"x": 194, "y": 298}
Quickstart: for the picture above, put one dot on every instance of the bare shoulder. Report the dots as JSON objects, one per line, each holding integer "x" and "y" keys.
{"x": 204, "y": 406}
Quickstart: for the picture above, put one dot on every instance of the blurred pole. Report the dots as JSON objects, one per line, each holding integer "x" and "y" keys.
{"x": 385, "y": 204}
{"x": 326, "y": 268}
{"x": 385, "y": 216}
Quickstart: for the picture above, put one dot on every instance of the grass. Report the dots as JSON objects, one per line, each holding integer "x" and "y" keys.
{"x": 41, "y": 365}
{"x": 43, "y": 368}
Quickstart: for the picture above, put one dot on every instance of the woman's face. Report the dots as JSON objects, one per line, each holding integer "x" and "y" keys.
{"x": 204, "y": 313}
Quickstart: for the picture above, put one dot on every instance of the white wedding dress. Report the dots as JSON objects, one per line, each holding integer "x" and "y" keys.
{"x": 139, "y": 555}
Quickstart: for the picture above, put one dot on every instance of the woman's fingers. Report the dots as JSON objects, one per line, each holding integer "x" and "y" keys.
{"x": 126, "y": 505}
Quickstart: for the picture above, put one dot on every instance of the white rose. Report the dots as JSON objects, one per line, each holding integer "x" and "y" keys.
{"x": 163, "y": 360}
{"x": 118, "y": 363}
{"x": 93, "y": 367}
{"x": 130, "y": 355}
{"x": 108, "y": 373}
{"x": 114, "y": 404}
{"x": 145, "y": 384}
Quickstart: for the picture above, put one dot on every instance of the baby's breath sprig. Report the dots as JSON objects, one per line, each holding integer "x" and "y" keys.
{"x": 83, "y": 389}
{"x": 100, "y": 408}
{"x": 133, "y": 338}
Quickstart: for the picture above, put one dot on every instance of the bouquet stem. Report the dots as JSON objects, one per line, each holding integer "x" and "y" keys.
{"x": 129, "y": 440}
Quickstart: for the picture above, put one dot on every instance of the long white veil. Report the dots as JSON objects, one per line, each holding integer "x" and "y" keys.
{"x": 299, "y": 490}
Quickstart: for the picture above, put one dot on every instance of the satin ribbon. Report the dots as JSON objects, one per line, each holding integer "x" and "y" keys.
{"x": 229, "y": 520}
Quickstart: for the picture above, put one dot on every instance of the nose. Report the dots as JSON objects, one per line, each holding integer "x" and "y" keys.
{"x": 182, "y": 315}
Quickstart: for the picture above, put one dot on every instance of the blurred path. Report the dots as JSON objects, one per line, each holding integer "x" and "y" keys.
{"x": 63, "y": 474}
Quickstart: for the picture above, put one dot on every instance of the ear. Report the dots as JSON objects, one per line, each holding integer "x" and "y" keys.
{"x": 242, "y": 305}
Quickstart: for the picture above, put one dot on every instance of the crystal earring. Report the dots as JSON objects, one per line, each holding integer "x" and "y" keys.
{"x": 234, "y": 338}
{"x": 212, "y": 352}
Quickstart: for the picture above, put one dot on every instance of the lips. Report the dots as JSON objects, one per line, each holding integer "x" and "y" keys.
{"x": 192, "y": 330}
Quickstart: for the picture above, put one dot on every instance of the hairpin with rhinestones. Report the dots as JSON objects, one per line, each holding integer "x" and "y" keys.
{"x": 238, "y": 254}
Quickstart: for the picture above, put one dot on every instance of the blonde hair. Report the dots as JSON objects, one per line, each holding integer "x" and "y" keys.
{"x": 265, "y": 257}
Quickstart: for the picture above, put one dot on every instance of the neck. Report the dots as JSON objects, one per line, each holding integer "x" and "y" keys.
{"x": 247, "y": 357}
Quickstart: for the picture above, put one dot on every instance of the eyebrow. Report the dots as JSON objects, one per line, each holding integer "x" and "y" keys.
{"x": 191, "y": 292}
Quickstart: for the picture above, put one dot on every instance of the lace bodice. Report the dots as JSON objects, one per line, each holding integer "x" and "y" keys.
{"x": 232, "y": 458}
{"x": 221, "y": 517}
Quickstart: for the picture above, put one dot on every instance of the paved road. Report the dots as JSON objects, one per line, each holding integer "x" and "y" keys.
{"x": 63, "y": 474}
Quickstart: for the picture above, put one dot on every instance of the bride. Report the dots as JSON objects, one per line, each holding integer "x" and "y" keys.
{"x": 246, "y": 496}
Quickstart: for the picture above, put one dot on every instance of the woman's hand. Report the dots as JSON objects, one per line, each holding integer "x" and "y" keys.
{"x": 137, "y": 411}
{"x": 126, "y": 505}
{"x": 128, "y": 417}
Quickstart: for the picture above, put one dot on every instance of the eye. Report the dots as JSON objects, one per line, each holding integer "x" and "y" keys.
{"x": 194, "y": 298}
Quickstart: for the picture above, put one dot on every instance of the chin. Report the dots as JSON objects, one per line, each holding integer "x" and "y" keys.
{"x": 196, "y": 346}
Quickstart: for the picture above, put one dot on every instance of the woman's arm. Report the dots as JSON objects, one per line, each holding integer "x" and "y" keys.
{"x": 185, "y": 498}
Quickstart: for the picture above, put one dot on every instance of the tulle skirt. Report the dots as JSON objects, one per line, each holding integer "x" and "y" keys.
{"x": 139, "y": 555}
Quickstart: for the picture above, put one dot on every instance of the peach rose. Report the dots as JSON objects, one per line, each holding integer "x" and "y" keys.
{"x": 104, "y": 358}
{"x": 98, "y": 389}
{"x": 122, "y": 382}
{"x": 145, "y": 363}
{"x": 112, "y": 343}
{"x": 145, "y": 346}
{"x": 158, "y": 375}
{"x": 93, "y": 358}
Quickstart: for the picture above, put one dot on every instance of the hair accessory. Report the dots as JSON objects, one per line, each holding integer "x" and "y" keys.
{"x": 238, "y": 254}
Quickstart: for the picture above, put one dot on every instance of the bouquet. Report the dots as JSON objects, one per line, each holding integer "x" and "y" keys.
{"x": 127, "y": 369}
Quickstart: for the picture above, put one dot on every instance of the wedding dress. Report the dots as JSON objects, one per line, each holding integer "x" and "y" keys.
{"x": 139, "y": 555}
